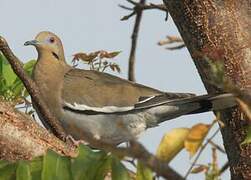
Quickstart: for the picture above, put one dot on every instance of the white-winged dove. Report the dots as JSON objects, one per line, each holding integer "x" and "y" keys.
{"x": 104, "y": 106}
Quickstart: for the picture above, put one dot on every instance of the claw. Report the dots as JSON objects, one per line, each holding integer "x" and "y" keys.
{"x": 74, "y": 142}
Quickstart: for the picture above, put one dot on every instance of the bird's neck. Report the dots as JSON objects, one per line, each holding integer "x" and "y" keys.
{"x": 48, "y": 74}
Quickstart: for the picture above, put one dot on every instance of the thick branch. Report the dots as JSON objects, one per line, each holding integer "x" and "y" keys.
{"x": 221, "y": 31}
{"x": 22, "y": 138}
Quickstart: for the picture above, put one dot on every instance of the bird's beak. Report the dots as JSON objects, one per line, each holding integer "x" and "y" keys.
{"x": 32, "y": 42}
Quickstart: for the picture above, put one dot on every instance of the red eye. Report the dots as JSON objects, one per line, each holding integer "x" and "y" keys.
{"x": 52, "y": 40}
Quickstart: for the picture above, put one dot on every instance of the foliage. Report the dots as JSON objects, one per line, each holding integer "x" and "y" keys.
{"x": 89, "y": 164}
{"x": 195, "y": 137}
{"x": 248, "y": 136}
{"x": 177, "y": 139}
{"x": 143, "y": 173}
{"x": 11, "y": 87}
{"x": 98, "y": 60}
{"x": 172, "y": 143}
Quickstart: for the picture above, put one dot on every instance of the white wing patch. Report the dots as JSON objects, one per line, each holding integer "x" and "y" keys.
{"x": 145, "y": 100}
{"x": 105, "y": 109}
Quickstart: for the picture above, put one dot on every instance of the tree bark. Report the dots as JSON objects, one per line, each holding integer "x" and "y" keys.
{"x": 22, "y": 138}
{"x": 221, "y": 31}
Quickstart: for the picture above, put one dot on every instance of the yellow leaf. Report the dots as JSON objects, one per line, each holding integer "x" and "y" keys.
{"x": 172, "y": 143}
{"x": 195, "y": 137}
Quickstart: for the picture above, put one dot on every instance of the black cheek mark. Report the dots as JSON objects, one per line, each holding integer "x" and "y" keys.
{"x": 55, "y": 55}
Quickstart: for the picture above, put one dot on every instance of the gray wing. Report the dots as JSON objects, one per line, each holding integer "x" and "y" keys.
{"x": 96, "y": 92}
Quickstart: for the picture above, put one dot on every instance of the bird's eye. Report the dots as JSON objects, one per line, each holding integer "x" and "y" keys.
{"x": 52, "y": 40}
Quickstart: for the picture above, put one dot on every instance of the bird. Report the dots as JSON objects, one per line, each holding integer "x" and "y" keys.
{"x": 108, "y": 108}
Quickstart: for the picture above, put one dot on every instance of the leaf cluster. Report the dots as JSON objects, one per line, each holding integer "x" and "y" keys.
{"x": 98, "y": 60}
{"x": 11, "y": 87}
{"x": 89, "y": 164}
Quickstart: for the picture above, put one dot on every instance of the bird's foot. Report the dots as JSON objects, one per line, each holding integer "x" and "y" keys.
{"x": 74, "y": 142}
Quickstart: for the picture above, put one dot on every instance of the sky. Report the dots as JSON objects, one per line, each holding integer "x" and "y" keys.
{"x": 86, "y": 26}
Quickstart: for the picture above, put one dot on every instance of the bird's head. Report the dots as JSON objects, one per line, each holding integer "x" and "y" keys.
{"x": 47, "y": 42}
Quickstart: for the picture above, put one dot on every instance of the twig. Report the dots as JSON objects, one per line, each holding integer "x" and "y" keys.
{"x": 214, "y": 164}
{"x": 138, "y": 5}
{"x": 176, "y": 47}
{"x": 224, "y": 168}
{"x": 199, "y": 153}
{"x": 152, "y": 162}
{"x": 217, "y": 146}
{"x": 243, "y": 97}
{"x": 131, "y": 66}
{"x": 245, "y": 108}
{"x": 31, "y": 87}
{"x": 172, "y": 40}
{"x": 135, "y": 150}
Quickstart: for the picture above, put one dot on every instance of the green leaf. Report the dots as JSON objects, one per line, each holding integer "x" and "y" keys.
{"x": 3, "y": 82}
{"x": 7, "y": 72}
{"x": 55, "y": 167}
{"x": 49, "y": 169}
{"x": 143, "y": 172}
{"x": 23, "y": 171}
{"x": 104, "y": 168}
{"x": 11, "y": 87}
{"x": 248, "y": 136}
{"x": 17, "y": 86}
{"x": 118, "y": 170}
{"x": 3, "y": 163}
{"x": 28, "y": 67}
{"x": 36, "y": 168}
{"x": 80, "y": 164}
{"x": 88, "y": 163}
{"x": 1, "y": 63}
{"x": 63, "y": 168}
{"x": 8, "y": 172}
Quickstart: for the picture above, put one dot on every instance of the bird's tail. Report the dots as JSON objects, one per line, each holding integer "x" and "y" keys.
{"x": 212, "y": 102}
{"x": 193, "y": 105}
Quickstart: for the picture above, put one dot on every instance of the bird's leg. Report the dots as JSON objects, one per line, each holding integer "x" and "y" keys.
{"x": 74, "y": 142}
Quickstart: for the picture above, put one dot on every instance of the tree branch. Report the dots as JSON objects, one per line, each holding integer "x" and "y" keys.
{"x": 138, "y": 10}
{"x": 138, "y": 5}
{"x": 131, "y": 66}
{"x": 224, "y": 168}
{"x": 22, "y": 138}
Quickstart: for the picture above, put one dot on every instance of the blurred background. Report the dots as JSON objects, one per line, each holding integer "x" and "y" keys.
{"x": 86, "y": 26}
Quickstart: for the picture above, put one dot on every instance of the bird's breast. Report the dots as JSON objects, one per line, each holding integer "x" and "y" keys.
{"x": 110, "y": 128}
